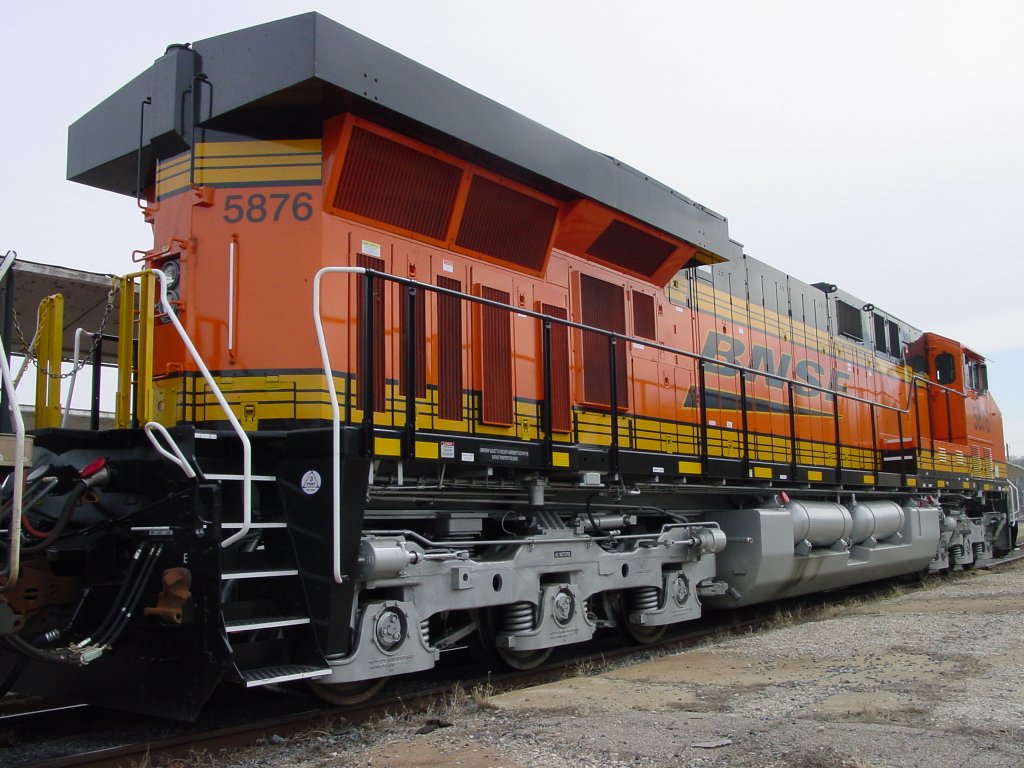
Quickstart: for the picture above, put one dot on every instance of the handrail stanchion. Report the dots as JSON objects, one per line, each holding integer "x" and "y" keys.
{"x": 613, "y": 397}
{"x": 222, "y": 401}
{"x": 411, "y": 380}
{"x": 702, "y": 389}
{"x": 792, "y": 431}
{"x": 744, "y": 425}
{"x": 368, "y": 388}
{"x": 839, "y": 441}
{"x": 325, "y": 359}
{"x": 546, "y": 414}
{"x": 74, "y": 373}
{"x": 876, "y": 453}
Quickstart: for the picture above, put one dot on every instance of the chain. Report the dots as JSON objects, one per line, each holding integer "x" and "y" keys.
{"x": 97, "y": 337}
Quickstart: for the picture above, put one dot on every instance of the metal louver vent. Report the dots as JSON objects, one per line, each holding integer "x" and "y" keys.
{"x": 603, "y": 306}
{"x": 631, "y": 248}
{"x": 496, "y": 359}
{"x": 386, "y": 181}
{"x": 506, "y": 224}
{"x": 449, "y": 351}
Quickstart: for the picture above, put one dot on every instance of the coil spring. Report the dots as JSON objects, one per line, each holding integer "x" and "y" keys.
{"x": 425, "y": 632}
{"x": 644, "y": 598}
{"x": 978, "y": 548}
{"x": 518, "y": 617}
{"x": 956, "y": 551}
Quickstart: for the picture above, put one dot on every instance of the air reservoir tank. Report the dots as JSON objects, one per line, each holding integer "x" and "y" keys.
{"x": 821, "y": 523}
{"x": 877, "y": 520}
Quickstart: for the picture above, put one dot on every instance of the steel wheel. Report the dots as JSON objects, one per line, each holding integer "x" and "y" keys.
{"x": 346, "y": 694}
{"x": 523, "y": 660}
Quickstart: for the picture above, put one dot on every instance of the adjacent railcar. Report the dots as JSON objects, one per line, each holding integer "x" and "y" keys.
{"x": 404, "y": 368}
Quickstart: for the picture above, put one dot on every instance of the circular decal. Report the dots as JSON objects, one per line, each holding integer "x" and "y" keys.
{"x": 311, "y": 482}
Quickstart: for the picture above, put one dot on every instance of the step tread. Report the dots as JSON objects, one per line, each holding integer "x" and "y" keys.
{"x": 232, "y": 476}
{"x": 281, "y": 674}
{"x": 261, "y": 573}
{"x": 264, "y": 622}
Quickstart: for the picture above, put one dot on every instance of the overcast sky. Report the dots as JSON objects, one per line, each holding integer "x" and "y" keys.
{"x": 876, "y": 145}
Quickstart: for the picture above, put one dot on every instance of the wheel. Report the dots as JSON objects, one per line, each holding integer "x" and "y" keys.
{"x": 346, "y": 694}
{"x": 507, "y": 657}
{"x": 638, "y": 633}
{"x": 523, "y": 660}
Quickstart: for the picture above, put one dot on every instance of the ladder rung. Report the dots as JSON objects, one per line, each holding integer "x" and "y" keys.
{"x": 247, "y": 625}
{"x": 254, "y": 478}
{"x": 254, "y": 525}
{"x": 281, "y": 674}
{"x": 268, "y": 573}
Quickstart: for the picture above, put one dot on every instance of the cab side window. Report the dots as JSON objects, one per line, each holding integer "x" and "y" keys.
{"x": 945, "y": 368}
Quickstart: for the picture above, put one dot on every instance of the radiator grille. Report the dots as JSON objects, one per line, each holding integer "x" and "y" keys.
{"x": 643, "y": 316}
{"x": 449, "y": 351}
{"x": 496, "y": 357}
{"x": 389, "y": 182}
{"x": 631, "y": 248}
{"x": 506, "y": 224}
{"x": 603, "y": 306}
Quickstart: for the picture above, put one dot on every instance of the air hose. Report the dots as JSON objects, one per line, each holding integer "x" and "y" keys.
{"x": 95, "y": 475}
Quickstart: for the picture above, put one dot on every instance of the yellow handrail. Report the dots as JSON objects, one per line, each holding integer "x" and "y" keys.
{"x": 49, "y": 348}
{"x": 135, "y": 366}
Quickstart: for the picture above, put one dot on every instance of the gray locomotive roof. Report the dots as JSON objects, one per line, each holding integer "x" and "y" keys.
{"x": 310, "y": 64}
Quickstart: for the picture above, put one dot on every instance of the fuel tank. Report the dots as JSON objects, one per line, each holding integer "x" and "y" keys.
{"x": 803, "y": 547}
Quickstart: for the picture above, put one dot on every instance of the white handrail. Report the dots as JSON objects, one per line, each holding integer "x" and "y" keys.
{"x": 1015, "y": 505}
{"x": 339, "y": 577}
{"x": 74, "y": 372}
{"x": 11, "y": 391}
{"x": 174, "y": 455}
{"x": 235, "y": 425}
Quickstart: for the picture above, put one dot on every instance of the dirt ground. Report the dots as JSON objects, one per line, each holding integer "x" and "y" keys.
{"x": 930, "y": 678}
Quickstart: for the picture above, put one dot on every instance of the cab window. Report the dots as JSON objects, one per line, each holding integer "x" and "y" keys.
{"x": 945, "y": 368}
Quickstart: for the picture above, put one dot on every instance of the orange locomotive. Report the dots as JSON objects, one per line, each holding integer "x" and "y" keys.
{"x": 412, "y": 368}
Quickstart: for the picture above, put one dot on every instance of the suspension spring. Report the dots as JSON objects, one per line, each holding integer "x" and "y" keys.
{"x": 956, "y": 551}
{"x": 645, "y": 598}
{"x": 978, "y": 547}
{"x": 518, "y": 617}
{"x": 425, "y": 632}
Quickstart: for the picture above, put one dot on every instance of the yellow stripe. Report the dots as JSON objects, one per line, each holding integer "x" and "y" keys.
{"x": 426, "y": 450}
{"x": 559, "y": 459}
{"x": 764, "y": 473}
{"x": 387, "y": 446}
{"x": 277, "y": 147}
{"x": 260, "y": 161}
{"x": 814, "y": 475}
{"x": 689, "y": 467}
{"x": 249, "y": 175}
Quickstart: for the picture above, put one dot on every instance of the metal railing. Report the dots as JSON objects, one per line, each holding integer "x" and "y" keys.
{"x": 705, "y": 366}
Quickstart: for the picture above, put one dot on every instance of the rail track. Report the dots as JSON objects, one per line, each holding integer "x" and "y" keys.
{"x": 87, "y": 736}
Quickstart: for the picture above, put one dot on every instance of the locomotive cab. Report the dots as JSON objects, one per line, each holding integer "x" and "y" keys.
{"x": 960, "y": 406}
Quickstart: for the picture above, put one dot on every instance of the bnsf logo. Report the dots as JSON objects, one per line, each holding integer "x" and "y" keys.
{"x": 762, "y": 358}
